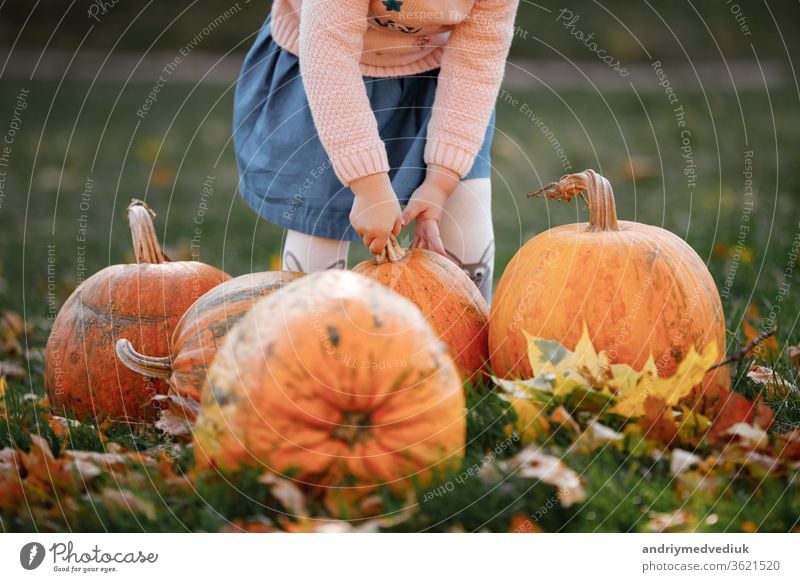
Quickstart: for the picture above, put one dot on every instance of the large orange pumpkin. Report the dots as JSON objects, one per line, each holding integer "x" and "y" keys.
{"x": 447, "y": 297}
{"x": 639, "y": 289}
{"x": 141, "y": 302}
{"x": 336, "y": 381}
{"x": 201, "y": 330}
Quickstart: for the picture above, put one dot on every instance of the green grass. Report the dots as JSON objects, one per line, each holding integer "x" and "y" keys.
{"x": 71, "y": 133}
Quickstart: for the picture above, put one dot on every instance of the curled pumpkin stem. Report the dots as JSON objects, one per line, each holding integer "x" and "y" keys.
{"x": 149, "y": 366}
{"x": 143, "y": 234}
{"x": 393, "y": 252}
{"x": 593, "y": 189}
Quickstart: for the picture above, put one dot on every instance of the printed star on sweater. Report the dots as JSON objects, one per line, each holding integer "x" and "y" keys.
{"x": 393, "y": 5}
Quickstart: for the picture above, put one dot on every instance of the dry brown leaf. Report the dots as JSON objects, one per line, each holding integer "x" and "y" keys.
{"x": 766, "y": 349}
{"x": 174, "y": 425}
{"x": 288, "y": 493}
{"x": 731, "y": 408}
{"x": 678, "y": 521}
{"x": 532, "y": 463}
{"x": 61, "y": 426}
{"x": 179, "y": 416}
{"x": 11, "y": 327}
{"x": 794, "y": 355}
{"x": 775, "y": 387}
{"x": 188, "y": 408}
{"x": 658, "y": 421}
{"x": 562, "y": 417}
{"x": 749, "y": 435}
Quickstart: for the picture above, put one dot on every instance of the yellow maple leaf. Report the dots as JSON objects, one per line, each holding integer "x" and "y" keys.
{"x": 560, "y": 372}
{"x": 690, "y": 373}
{"x": 531, "y": 423}
{"x": 567, "y": 370}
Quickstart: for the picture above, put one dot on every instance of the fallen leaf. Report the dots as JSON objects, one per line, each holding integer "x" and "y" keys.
{"x": 567, "y": 369}
{"x": 532, "y": 463}
{"x": 681, "y": 461}
{"x": 732, "y": 408}
{"x": 11, "y": 327}
{"x": 562, "y": 417}
{"x": 601, "y": 434}
{"x": 680, "y": 520}
{"x": 287, "y": 493}
{"x": 689, "y": 374}
{"x": 766, "y": 349}
{"x": 61, "y": 426}
{"x": 775, "y": 387}
{"x": 658, "y": 421}
{"x": 749, "y": 434}
{"x": 531, "y": 423}
{"x": 9, "y": 461}
{"x": 794, "y": 355}
{"x": 179, "y": 416}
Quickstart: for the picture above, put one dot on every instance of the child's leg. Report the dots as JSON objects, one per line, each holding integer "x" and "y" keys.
{"x": 306, "y": 253}
{"x": 467, "y": 232}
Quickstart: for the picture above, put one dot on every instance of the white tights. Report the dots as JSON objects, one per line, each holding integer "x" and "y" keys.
{"x": 466, "y": 229}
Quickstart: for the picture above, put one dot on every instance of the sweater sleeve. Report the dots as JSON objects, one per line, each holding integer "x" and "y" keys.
{"x": 331, "y": 44}
{"x": 472, "y": 69}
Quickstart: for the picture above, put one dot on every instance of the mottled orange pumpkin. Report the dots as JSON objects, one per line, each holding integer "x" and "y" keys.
{"x": 335, "y": 381}
{"x": 639, "y": 289}
{"x": 140, "y": 302}
{"x": 447, "y": 297}
{"x": 201, "y": 330}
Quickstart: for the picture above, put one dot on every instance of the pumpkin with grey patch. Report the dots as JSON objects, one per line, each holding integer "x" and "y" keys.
{"x": 201, "y": 330}
{"x": 335, "y": 381}
{"x": 141, "y": 303}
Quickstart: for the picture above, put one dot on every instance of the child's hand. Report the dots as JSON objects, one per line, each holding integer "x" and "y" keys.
{"x": 376, "y": 211}
{"x": 426, "y": 206}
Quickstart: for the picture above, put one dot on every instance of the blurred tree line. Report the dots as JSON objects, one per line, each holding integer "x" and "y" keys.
{"x": 686, "y": 29}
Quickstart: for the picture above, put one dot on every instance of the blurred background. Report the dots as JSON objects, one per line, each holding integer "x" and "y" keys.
{"x": 689, "y": 108}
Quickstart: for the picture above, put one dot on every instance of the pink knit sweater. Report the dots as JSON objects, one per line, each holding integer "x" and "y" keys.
{"x": 339, "y": 42}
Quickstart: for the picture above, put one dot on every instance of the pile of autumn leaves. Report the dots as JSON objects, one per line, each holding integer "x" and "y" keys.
{"x": 707, "y": 439}
{"x": 674, "y": 419}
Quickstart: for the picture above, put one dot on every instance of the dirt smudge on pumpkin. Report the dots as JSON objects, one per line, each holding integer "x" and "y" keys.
{"x": 333, "y": 335}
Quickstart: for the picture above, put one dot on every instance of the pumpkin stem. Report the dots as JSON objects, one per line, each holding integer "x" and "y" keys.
{"x": 143, "y": 233}
{"x": 354, "y": 429}
{"x": 602, "y": 210}
{"x": 150, "y": 366}
{"x": 393, "y": 252}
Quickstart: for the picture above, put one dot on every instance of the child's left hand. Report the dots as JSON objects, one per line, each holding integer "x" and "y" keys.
{"x": 426, "y": 206}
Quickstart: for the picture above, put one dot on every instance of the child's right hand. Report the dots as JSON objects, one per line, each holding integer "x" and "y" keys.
{"x": 376, "y": 212}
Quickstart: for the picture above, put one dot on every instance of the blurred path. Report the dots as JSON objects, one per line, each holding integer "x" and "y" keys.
{"x": 27, "y": 64}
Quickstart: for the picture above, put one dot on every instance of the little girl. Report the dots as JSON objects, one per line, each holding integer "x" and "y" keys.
{"x": 346, "y": 110}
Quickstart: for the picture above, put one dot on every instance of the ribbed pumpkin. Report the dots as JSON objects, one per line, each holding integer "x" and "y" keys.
{"x": 335, "y": 381}
{"x": 447, "y": 297}
{"x": 201, "y": 330}
{"x": 140, "y": 302}
{"x": 639, "y": 289}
